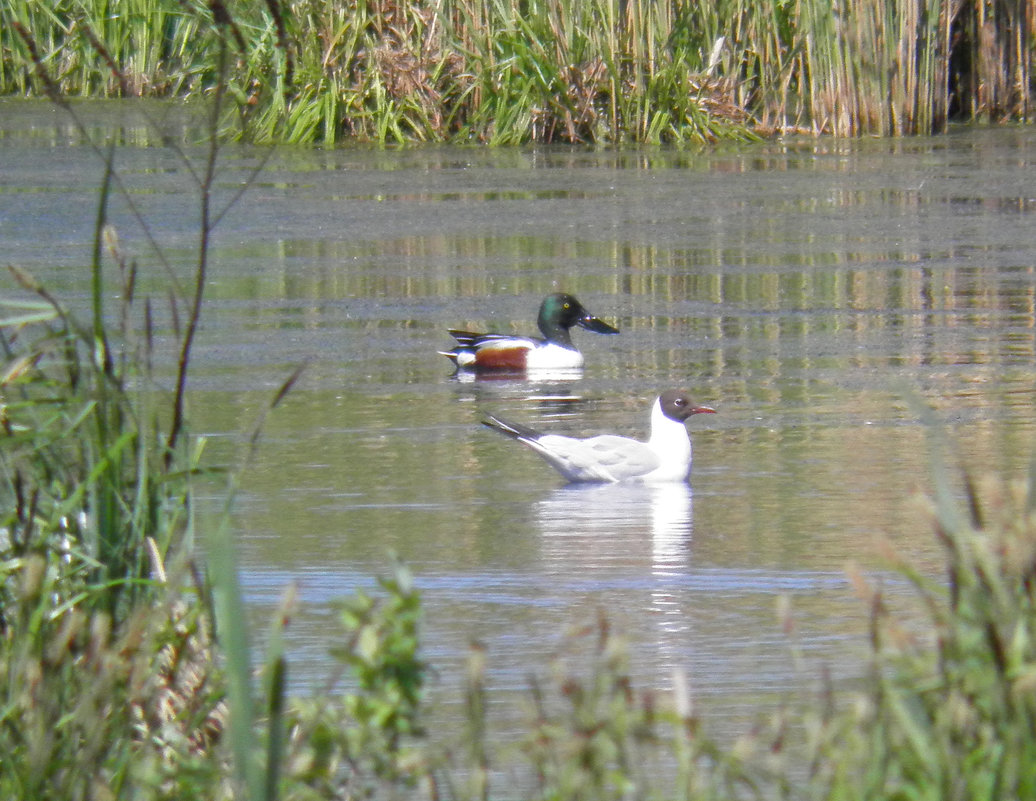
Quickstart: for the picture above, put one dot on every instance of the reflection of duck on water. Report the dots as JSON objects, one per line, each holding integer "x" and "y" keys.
{"x": 515, "y": 376}
{"x": 595, "y": 524}
{"x": 607, "y": 458}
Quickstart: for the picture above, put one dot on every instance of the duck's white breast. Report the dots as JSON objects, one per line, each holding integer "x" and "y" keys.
{"x": 553, "y": 357}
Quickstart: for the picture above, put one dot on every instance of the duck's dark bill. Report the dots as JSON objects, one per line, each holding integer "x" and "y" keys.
{"x": 596, "y": 325}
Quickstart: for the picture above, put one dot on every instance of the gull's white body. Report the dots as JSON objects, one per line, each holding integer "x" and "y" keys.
{"x": 607, "y": 458}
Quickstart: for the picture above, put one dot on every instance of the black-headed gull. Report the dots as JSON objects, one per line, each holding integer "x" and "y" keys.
{"x": 666, "y": 456}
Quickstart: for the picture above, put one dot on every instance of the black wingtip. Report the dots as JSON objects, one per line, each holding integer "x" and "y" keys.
{"x": 495, "y": 423}
{"x": 512, "y": 430}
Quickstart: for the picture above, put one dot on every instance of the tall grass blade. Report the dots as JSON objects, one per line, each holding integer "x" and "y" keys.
{"x": 276, "y": 673}
{"x": 1031, "y": 492}
{"x": 232, "y": 634}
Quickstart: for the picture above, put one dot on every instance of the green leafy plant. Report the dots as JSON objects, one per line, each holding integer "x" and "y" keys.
{"x": 370, "y": 736}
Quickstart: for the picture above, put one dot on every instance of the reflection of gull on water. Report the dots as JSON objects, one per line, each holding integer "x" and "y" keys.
{"x": 672, "y": 528}
{"x": 597, "y": 525}
{"x": 639, "y": 534}
{"x": 672, "y": 525}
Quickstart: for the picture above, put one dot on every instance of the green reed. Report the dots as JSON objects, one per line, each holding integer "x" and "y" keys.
{"x": 505, "y": 72}
{"x": 949, "y": 709}
{"x": 91, "y": 510}
{"x": 107, "y": 680}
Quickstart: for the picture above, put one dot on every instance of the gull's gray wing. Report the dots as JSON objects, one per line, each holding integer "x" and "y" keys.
{"x": 602, "y": 458}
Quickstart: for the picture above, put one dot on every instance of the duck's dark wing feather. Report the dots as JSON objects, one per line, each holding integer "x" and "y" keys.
{"x": 472, "y": 339}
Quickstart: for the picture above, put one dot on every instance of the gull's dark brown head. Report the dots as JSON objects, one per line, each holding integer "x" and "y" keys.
{"x": 677, "y": 405}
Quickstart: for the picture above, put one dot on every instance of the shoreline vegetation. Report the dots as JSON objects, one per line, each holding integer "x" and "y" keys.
{"x": 507, "y": 72}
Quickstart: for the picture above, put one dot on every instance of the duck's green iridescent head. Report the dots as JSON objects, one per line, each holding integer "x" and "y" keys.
{"x": 560, "y": 311}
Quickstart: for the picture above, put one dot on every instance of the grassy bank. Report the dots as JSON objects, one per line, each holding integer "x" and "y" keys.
{"x": 516, "y": 71}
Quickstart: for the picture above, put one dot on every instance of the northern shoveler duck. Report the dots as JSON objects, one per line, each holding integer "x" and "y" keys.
{"x": 666, "y": 456}
{"x": 555, "y": 351}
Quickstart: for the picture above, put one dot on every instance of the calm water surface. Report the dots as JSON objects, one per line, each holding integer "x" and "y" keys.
{"x": 804, "y": 289}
